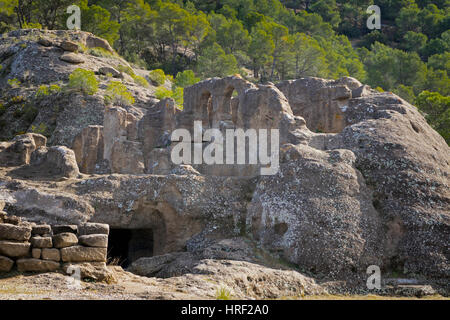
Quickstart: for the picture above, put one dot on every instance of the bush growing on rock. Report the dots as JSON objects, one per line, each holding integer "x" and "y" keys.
{"x": 118, "y": 94}
{"x": 157, "y": 77}
{"x": 84, "y": 81}
{"x": 44, "y": 90}
{"x": 141, "y": 81}
{"x": 186, "y": 78}
{"x": 126, "y": 69}
{"x": 14, "y": 83}
{"x": 176, "y": 94}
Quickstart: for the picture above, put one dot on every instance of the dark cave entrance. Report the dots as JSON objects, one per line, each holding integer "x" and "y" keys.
{"x": 128, "y": 245}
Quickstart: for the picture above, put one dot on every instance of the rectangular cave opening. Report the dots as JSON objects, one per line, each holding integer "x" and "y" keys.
{"x": 127, "y": 245}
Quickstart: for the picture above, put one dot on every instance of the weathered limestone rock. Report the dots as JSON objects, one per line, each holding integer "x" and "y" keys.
{"x": 14, "y": 220}
{"x": 121, "y": 150}
{"x": 63, "y": 240}
{"x": 53, "y": 161}
{"x": 69, "y": 46}
{"x": 12, "y": 232}
{"x": 319, "y": 102}
{"x": 18, "y": 151}
{"x": 96, "y": 42}
{"x": 36, "y": 265}
{"x": 83, "y": 254}
{"x": 41, "y": 242}
{"x": 72, "y": 58}
{"x": 65, "y": 228}
{"x": 88, "y": 148}
{"x": 36, "y": 253}
{"x": 45, "y": 42}
{"x": 93, "y": 228}
{"x": 41, "y": 230}
{"x": 14, "y": 249}
{"x": 51, "y": 254}
{"x": 6, "y": 264}
{"x": 94, "y": 240}
{"x": 127, "y": 157}
{"x": 93, "y": 270}
{"x": 109, "y": 70}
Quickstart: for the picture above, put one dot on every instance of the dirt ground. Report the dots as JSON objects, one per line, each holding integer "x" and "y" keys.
{"x": 56, "y": 286}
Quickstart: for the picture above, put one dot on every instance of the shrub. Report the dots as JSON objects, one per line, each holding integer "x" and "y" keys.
{"x": 118, "y": 94}
{"x": 162, "y": 92}
{"x": 186, "y": 78}
{"x": 126, "y": 69}
{"x": 14, "y": 83}
{"x": 84, "y": 81}
{"x": 223, "y": 294}
{"x": 41, "y": 129}
{"x": 157, "y": 76}
{"x": 17, "y": 99}
{"x": 177, "y": 95}
{"x": 100, "y": 52}
{"x": 141, "y": 81}
{"x": 44, "y": 90}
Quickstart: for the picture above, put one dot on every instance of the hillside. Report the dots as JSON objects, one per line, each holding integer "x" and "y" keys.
{"x": 362, "y": 178}
{"x": 271, "y": 40}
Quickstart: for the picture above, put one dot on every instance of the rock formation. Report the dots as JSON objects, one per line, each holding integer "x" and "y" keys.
{"x": 363, "y": 179}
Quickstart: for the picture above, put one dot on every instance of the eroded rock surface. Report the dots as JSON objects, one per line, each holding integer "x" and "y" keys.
{"x": 363, "y": 179}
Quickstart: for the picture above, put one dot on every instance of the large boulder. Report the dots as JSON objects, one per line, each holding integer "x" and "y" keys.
{"x": 18, "y": 151}
{"x": 57, "y": 161}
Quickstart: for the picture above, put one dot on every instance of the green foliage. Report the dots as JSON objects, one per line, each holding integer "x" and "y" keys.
{"x": 157, "y": 77}
{"x": 14, "y": 83}
{"x": 223, "y": 294}
{"x": 406, "y": 93}
{"x": 100, "y": 52}
{"x": 214, "y": 62}
{"x": 389, "y": 68}
{"x": 84, "y": 81}
{"x": 176, "y": 94}
{"x": 141, "y": 81}
{"x": 186, "y": 78}
{"x": 118, "y": 94}
{"x": 275, "y": 39}
{"x": 41, "y": 129}
{"x": 44, "y": 90}
{"x": 437, "y": 110}
{"x": 126, "y": 69}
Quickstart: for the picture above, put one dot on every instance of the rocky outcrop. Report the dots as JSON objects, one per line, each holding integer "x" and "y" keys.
{"x": 18, "y": 151}
{"x": 362, "y": 180}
